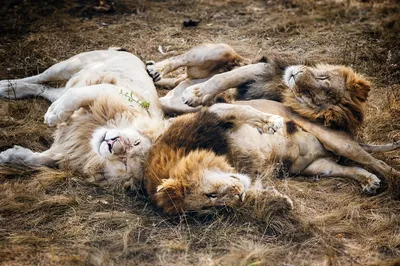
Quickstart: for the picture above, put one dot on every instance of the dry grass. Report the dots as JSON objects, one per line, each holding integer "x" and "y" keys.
{"x": 52, "y": 217}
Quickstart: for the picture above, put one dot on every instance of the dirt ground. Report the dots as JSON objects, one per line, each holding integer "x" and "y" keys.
{"x": 53, "y": 217}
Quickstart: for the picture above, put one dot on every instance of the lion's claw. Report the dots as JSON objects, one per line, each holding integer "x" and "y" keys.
{"x": 152, "y": 71}
{"x": 371, "y": 184}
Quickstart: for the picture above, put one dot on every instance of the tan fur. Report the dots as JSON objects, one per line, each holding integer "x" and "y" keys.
{"x": 338, "y": 105}
{"x": 185, "y": 171}
{"x": 178, "y": 172}
{"x": 347, "y": 113}
{"x": 196, "y": 146}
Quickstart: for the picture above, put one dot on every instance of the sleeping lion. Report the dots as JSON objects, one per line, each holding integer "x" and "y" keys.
{"x": 107, "y": 115}
{"x": 210, "y": 158}
{"x": 317, "y": 97}
{"x": 333, "y": 95}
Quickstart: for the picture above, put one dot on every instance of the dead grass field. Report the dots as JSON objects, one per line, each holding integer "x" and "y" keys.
{"x": 52, "y": 217}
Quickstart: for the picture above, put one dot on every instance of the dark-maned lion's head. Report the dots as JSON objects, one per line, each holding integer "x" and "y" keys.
{"x": 334, "y": 95}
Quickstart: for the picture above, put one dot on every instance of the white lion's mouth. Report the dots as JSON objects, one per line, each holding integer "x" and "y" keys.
{"x": 111, "y": 143}
{"x": 106, "y": 142}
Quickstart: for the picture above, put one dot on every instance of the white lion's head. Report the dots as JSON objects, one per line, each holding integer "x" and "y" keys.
{"x": 122, "y": 151}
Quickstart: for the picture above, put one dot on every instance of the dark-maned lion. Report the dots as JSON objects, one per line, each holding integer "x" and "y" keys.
{"x": 333, "y": 95}
{"x": 210, "y": 158}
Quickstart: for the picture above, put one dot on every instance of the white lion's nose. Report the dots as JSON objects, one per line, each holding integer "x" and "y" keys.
{"x": 117, "y": 147}
{"x": 113, "y": 144}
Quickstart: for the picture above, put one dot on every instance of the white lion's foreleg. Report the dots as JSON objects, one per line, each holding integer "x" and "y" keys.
{"x": 172, "y": 102}
{"x": 74, "y": 98}
{"x": 24, "y": 156}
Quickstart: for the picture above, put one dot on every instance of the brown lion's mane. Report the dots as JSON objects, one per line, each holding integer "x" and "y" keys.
{"x": 346, "y": 115}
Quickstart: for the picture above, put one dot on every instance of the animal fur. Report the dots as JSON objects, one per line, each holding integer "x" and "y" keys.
{"x": 338, "y": 105}
{"x": 195, "y": 144}
{"x": 107, "y": 116}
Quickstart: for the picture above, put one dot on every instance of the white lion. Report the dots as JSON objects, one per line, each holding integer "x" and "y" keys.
{"x": 107, "y": 115}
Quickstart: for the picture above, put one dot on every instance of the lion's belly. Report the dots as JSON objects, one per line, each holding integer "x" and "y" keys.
{"x": 262, "y": 151}
{"x": 123, "y": 70}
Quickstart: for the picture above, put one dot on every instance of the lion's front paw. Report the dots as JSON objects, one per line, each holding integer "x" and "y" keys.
{"x": 268, "y": 124}
{"x": 195, "y": 95}
{"x": 57, "y": 113}
{"x": 370, "y": 184}
{"x": 152, "y": 71}
{"x": 285, "y": 201}
{"x": 266, "y": 202}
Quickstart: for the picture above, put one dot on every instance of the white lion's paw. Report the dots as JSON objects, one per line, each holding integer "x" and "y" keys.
{"x": 15, "y": 155}
{"x": 152, "y": 71}
{"x": 275, "y": 122}
{"x": 16, "y": 89}
{"x": 56, "y": 114}
{"x": 195, "y": 96}
{"x": 370, "y": 184}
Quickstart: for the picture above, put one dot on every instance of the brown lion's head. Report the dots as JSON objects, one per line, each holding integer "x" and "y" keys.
{"x": 334, "y": 95}
{"x": 198, "y": 180}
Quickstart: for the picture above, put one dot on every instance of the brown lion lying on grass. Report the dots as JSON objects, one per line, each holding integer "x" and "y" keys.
{"x": 211, "y": 157}
{"x": 333, "y": 95}
{"x": 207, "y": 159}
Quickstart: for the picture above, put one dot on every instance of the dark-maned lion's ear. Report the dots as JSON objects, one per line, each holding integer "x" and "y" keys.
{"x": 261, "y": 59}
{"x": 357, "y": 84}
{"x": 170, "y": 196}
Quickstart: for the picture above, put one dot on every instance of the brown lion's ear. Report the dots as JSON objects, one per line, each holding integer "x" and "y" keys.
{"x": 358, "y": 86}
{"x": 170, "y": 196}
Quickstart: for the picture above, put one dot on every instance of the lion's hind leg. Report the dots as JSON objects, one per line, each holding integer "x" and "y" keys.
{"x": 327, "y": 167}
{"x": 201, "y": 62}
{"x": 34, "y": 85}
{"x": 24, "y": 156}
{"x": 17, "y": 89}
